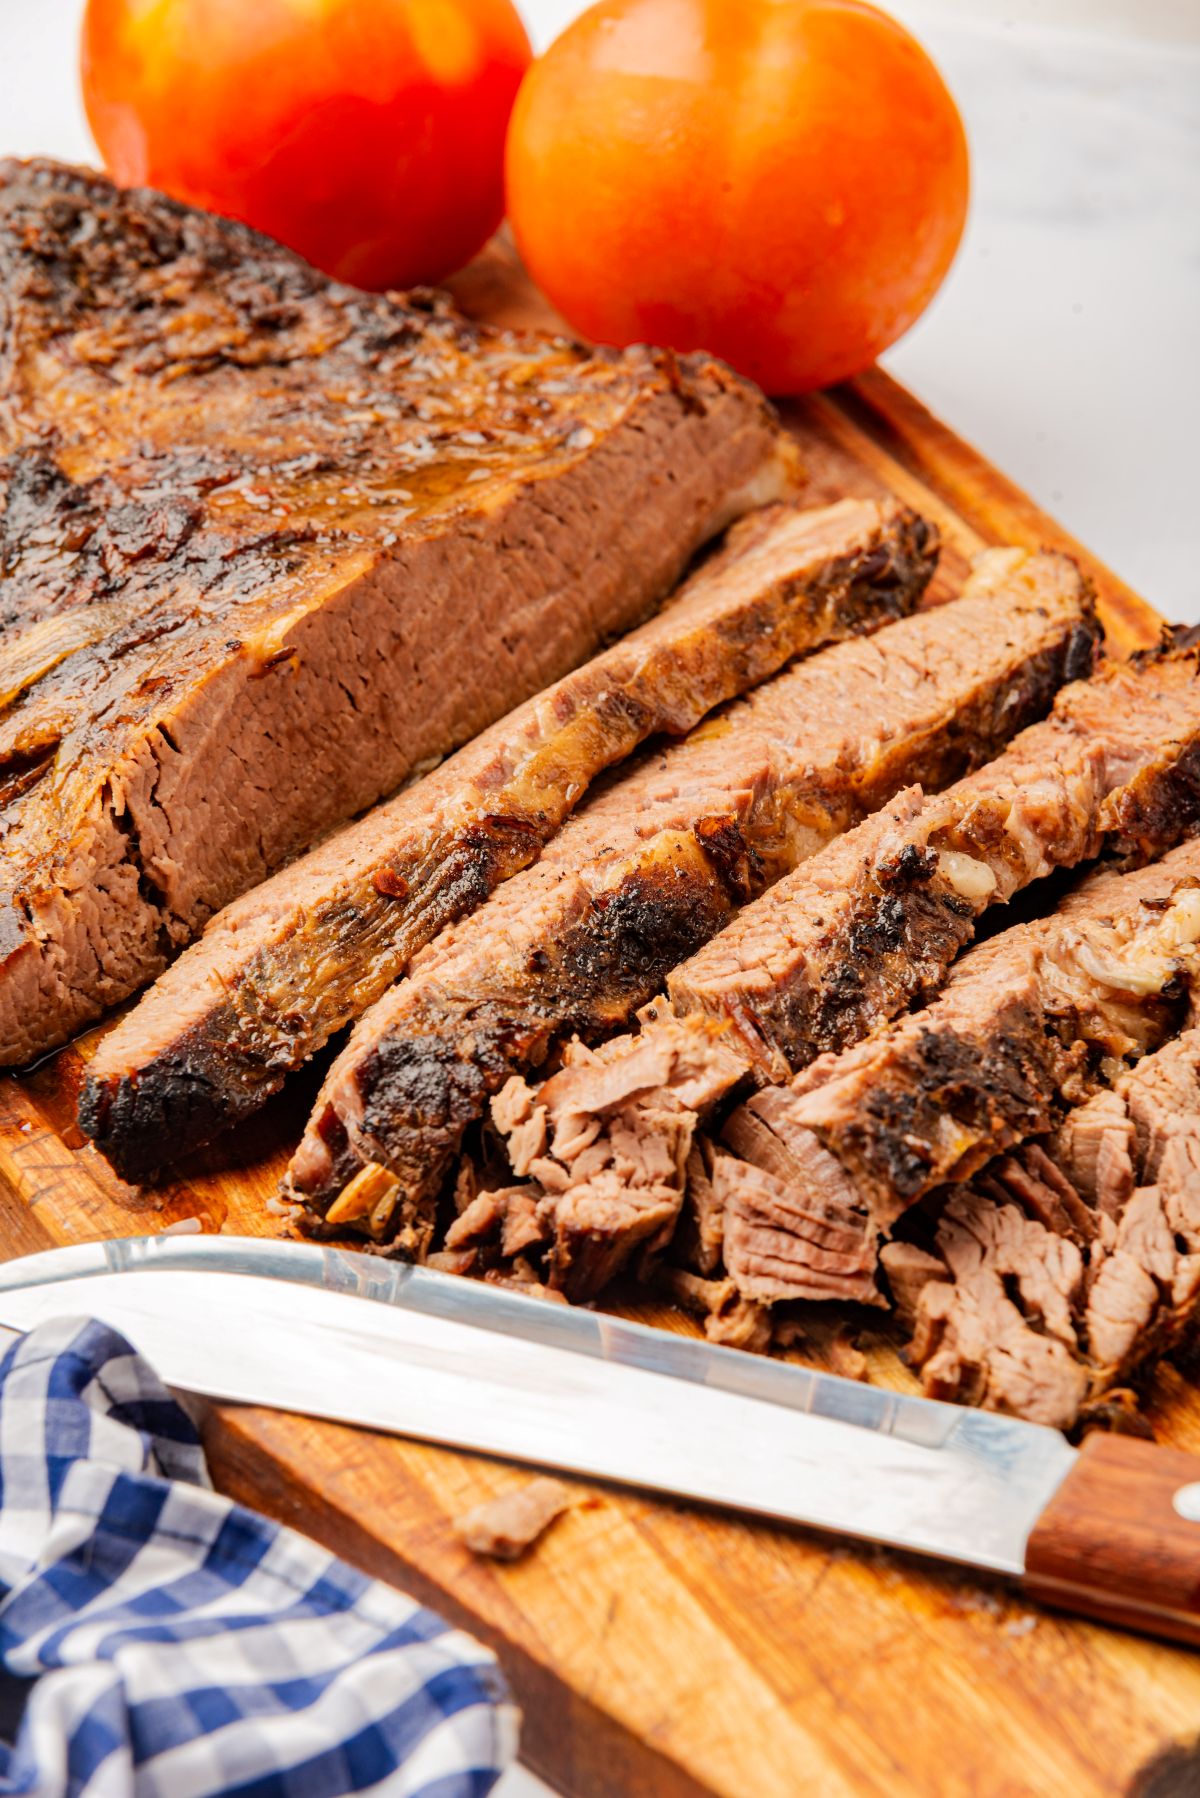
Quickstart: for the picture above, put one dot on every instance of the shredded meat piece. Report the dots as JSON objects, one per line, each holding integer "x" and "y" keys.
{"x": 973, "y": 1343}
{"x": 608, "y": 1140}
{"x": 503, "y": 1528}
{"x": 787, "y": 1240}
{"x": 729, "y": 1319}
{"x": 1146, "y": 1268}
{"x": 1094, "y": 1149}
{"x": 702, "y": 1227}
{"x": 909, "y": 1270}
{"x": 1042, "y": 1190}
{"x": 1023, "y": 1262}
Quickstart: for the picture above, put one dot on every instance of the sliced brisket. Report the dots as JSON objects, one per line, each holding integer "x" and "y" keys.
{"x": 281, "y": 970}
{"x": 1094, "y": 1149}
{"x": 872, "y": 924}
{"x": 794, "y": 1227}
{"x": 267, "y": 544}
{"x": 656, "y": 861}
{"x": 932, "y": 1097}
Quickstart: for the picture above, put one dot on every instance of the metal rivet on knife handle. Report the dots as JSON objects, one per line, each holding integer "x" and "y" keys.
{"x": 1117, "y": 1541}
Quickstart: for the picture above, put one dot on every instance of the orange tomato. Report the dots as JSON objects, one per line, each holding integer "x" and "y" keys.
{"x": 367, "y": 134}
{"x": 782, "y": 182}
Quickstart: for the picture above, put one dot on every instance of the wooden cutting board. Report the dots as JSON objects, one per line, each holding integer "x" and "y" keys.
{"x": 662, "y": 1649}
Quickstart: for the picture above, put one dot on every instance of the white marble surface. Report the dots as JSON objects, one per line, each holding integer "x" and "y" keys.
{"x": 1065, "y": 341}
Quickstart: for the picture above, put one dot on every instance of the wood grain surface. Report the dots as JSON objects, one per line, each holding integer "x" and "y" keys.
{"x": 659, "y": 1649}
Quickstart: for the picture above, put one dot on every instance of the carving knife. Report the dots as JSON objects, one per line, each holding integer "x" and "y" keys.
{"x": 1112, "y": 1530}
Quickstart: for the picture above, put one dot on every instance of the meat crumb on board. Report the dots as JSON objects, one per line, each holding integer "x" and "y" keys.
{"x": 503, "y": 1528}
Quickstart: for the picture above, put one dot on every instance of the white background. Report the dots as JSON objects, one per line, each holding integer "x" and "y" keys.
{"x": 1064, "y": 343}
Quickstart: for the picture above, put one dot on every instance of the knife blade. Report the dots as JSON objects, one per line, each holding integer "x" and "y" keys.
{"x": 446, "y": 1360}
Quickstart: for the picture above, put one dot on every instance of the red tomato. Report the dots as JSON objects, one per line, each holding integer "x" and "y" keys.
{"x": 367, "y": 134}
{"x": 783, "y": 182}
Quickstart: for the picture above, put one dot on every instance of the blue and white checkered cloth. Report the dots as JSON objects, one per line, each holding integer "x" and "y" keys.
{"x": 182, "y": 1646}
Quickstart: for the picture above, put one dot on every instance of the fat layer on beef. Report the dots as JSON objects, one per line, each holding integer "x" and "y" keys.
{"x": 281, "y": 970}
{"x": 268, "y": 544}
{"x": 656, "y": 862}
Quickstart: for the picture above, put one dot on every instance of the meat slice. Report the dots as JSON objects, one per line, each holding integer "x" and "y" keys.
{"x": 1155, "y": 791}
{"x": 268, "y": 544}
{"x": 795, "y": 1234}
{"x": 908, "y": 1270}
{"x": 655, "y": 862}
{"x": 872, "y": 924}
{"x": 280, "y": 971}
{"x": 931, "y": 1098}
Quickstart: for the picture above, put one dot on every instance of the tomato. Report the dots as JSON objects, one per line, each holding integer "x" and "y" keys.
{"x": 782, "y": 182}
{"x": 367, "y": 134}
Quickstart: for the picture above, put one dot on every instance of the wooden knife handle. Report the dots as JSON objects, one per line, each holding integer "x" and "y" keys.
{"x": 1120, "y": 1539}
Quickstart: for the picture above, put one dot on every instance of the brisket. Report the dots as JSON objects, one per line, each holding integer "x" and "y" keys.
{"x": 728, "y": 1318}
{"x": 873, "y": 922}
{"x": 657, "y": 860}
{"x": 607, "y": 1139}
{"x": 281, "y": 970}
{"x": 268, "y": 544}
{"x": 871, "y": 926}
{"x": 1145, "y": 1270}
{"x": 794, "y": 1227}
{"x": 1094, "y": 1149}
{"x": 994, "y": 1060}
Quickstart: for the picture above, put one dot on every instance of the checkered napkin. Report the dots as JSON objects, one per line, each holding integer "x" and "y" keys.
{"x": 183, "y": 1646}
